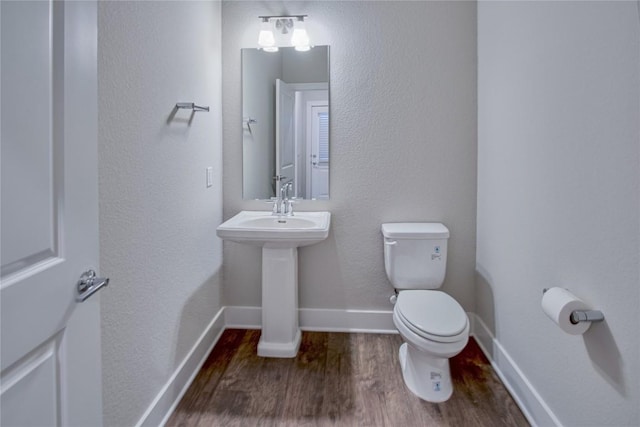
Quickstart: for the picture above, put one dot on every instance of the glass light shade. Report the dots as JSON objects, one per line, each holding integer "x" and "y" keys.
{"x": 266, "y": 38}
{"x": 300, "y": 38}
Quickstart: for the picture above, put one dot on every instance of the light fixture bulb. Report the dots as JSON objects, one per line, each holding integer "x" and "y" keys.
{"x": 266, "y": 38}
{"x": 300, "y": 38}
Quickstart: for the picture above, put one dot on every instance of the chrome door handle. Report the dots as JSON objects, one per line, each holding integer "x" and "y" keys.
{"x": 89, "y": 284}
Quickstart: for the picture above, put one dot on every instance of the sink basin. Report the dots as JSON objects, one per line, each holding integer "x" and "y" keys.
{"x": 260, "y": 228}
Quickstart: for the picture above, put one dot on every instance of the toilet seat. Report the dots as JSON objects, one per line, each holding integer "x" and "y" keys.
{"x": 432, "y": 315}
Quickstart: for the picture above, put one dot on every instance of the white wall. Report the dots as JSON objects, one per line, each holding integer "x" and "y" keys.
{"x": 558, "y": 197}
{"x": 305, "y": 67}
{"x": 157, "y": 218}
{"x": 403, "y": 142}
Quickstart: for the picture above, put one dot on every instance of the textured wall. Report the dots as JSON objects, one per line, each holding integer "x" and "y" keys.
{"x": 157, "y": 218}
{"x": 403, "y": 142}
{"x": 558, "y": 197}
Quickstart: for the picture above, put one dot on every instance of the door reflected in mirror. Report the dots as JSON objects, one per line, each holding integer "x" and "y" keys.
{"x": 285, "y": 120}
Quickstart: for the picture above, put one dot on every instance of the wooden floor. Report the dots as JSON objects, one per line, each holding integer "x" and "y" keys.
{"x": 336, "y": 379}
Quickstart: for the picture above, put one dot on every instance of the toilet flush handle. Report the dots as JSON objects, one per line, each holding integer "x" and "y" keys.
{"x": 394, "y": 298}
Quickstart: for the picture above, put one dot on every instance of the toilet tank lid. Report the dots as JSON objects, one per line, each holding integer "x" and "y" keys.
{"x": 415, "y": 230}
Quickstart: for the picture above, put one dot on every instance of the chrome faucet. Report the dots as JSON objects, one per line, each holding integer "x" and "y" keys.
{"x": 282, "y": 205}
{"x": 288, "y": 208}
{"x": 277, "y": 201}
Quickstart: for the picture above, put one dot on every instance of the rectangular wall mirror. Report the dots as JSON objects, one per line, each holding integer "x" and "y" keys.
{"x": 285, "y": 122}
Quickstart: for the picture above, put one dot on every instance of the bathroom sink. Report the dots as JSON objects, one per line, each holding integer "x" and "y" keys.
{"x": 261, "y": 228}
{"x": 279, "y": 237}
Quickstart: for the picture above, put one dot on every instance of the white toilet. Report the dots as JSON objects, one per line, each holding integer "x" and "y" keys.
{"x": 433, "y": 325}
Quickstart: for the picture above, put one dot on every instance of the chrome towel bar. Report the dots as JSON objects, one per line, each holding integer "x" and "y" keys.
{"x": 249, "y": 121}
{"x": 191, "y": 106}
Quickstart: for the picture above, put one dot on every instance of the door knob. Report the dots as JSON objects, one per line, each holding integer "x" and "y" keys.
{"x": 89, "y": 284}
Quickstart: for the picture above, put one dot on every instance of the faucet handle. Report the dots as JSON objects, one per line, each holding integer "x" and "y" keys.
{"x": 288, "y": 189}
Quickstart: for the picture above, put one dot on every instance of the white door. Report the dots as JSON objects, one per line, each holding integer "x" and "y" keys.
{"x": 318, "y": 128}
{"x": 285, "y": 132}
{"x": 50, "y": 343}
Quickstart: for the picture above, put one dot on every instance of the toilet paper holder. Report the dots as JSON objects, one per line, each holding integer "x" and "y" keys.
{"x": 578, "y": 316}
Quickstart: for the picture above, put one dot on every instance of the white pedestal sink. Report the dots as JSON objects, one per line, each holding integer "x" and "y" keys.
{"x": 279, "y": 237}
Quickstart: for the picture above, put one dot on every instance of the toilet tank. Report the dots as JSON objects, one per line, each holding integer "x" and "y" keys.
{"x": 415, "y": 254}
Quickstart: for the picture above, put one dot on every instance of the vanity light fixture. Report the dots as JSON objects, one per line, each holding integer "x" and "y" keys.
{"x": 283, "y": 24}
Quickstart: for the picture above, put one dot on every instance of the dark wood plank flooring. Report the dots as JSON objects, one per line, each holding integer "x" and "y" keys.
{"x": 337, "y": 379}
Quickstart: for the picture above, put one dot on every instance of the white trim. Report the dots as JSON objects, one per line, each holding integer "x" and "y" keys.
{"x": 312, "y": 146}
{"x": 327, "y": 320}
{"x": 309, "y": 86}
{"x": 534, "y": 408}
{"x": 169, "y": 396}
{"x": 319, "y": 319}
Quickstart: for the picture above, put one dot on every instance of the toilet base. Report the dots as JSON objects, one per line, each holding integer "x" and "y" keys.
{"x": 426, "y": 376}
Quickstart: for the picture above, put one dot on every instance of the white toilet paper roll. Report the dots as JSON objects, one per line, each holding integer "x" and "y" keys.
{"x": 558, "y": 303}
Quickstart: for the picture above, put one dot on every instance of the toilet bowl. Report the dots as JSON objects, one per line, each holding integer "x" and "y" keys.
{"x": 430, "y": 340}
{"x": 432, "y": 324}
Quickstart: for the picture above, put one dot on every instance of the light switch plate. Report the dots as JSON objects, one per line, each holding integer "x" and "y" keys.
{"x": 209, "y": 176}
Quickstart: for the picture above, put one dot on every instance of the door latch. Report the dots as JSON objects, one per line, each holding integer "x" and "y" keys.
{"x": 89, "y": 284}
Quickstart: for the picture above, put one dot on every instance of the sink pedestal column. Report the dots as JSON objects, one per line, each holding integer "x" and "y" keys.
{"x": 280, "y": 332}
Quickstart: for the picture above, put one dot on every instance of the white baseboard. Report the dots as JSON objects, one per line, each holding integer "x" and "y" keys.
{"x": 369, "y": 321}
{"x": 530, "y": 402}
{"x": 319, "y": 319}
{"x": 167, "y": 399}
